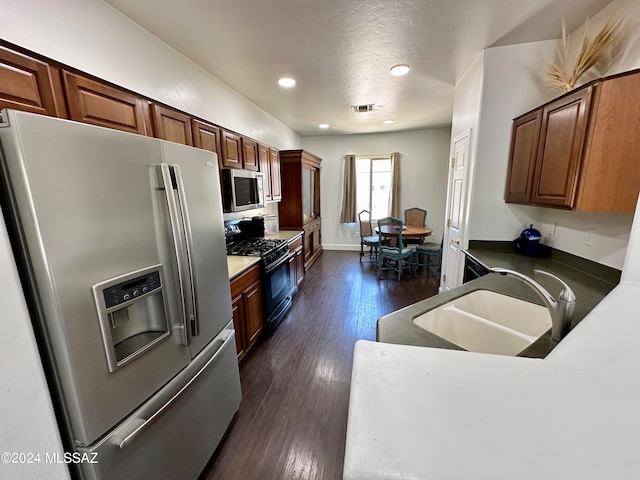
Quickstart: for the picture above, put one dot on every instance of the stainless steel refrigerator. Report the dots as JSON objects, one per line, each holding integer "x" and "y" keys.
{"x": 120, "y": 243}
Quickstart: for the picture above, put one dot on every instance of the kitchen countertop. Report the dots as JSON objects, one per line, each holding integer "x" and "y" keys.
{"x": 419, "y": 413}
{"x": 398, "y": 327}
{"x": 285, "y": 235}
{"x": 238, "y": 264}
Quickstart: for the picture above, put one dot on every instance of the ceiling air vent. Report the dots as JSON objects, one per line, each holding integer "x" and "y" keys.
{"x": 370, "y": 107}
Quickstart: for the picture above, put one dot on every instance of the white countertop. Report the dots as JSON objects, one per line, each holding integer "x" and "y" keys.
{"x": 423, "y": 413}
{"x": 237, "y": 264}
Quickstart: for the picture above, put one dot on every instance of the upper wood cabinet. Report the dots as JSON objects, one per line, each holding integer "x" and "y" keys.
{"x": 231, "y": 150}
{"x": 250, "y": 154}
{"x": 207, "y": 137}
{"x": 270, "y": 166}
{"x": 276, "y": 180}
{"x": 524, "y": 147}
{"x": 172, "y": 125}
{"x": 106, "y": 106}
{"x": 585, "y": 154}
{"x": 562, "y": 134}
{"x": 30, "y": 85}
{"x": 265, "y": 167}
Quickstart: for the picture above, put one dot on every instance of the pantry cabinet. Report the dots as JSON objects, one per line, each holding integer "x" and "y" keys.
{"x": 580, "y": 151}
{"x": 30, "y": 85}
{"x": 246, "y": 303}
{"x": 299, "y": 208}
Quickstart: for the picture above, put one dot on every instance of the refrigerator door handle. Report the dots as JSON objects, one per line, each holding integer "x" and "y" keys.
{"x": 178, "y": 246}
{"x": 186, "y": 226}
{"x": 142, "y": 424}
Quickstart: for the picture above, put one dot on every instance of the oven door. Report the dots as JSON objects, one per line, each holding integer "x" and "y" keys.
{"x": 277, "y": 292}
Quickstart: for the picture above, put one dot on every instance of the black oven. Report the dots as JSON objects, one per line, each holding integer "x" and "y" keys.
{"x": 246, "y": 237}
{"x": 276, "y": 281}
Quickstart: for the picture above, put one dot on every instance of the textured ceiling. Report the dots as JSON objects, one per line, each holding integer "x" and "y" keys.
{"x": 340, "y": 51}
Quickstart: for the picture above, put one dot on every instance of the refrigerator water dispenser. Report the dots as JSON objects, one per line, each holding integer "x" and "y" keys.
{"x": 132, "y": 313}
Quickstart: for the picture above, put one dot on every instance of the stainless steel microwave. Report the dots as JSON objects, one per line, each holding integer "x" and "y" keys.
{"x": 242, "y": 190}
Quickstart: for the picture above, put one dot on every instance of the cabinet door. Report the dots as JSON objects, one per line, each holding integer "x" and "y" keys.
{"x": 276, "y": 179}
{"x": 106, "y": 106}
{"x": 172, "y": 125}
{"x": 30, "y": 85}
{"x": 265, "y": 167}
{"x": 299, "y": 265}
{"x": 522, "y": 158}
{"x": 253, "y": 312}
{"x": 250, "y": 154}
{"x": 207, "y": 137}
{"x": 560, "y": 149}
{"x": 231, "y": 151}
{"x": 237, "y": 307}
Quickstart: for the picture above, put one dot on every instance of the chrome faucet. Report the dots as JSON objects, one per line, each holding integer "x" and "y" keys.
{"x": 561, "y": 310}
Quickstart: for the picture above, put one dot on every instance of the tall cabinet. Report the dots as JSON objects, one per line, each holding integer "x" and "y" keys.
{"x": 299, "y": 208}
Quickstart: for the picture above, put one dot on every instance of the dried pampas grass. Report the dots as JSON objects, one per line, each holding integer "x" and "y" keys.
{"x": 592, "y": 50}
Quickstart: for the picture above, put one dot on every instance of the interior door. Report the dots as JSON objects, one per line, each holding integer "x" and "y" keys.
{"x": 455, "y": 224}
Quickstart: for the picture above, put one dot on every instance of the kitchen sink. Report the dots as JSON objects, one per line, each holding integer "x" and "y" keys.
{"x": 487, "y": 322}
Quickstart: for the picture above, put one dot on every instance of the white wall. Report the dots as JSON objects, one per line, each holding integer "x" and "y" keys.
{"x": 95, "y": 38}
{"x": 513, "y": 83}
{"x": 26, "y": 412}
{"x": 423, "y": 176}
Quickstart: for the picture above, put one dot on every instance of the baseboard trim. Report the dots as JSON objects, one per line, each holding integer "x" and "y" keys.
{"x": 337, "y": 246}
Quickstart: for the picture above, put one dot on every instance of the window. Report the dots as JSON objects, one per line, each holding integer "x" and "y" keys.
{"x": 373, "y": 185}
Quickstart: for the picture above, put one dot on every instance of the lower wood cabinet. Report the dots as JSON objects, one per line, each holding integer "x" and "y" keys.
{"x": 312, "y": 242}
{"x": 246, "y": 302}
{"x": 296, "y": 263}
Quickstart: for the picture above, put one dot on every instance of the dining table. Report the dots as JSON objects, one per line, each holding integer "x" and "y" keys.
{"x": 408, "y": 231}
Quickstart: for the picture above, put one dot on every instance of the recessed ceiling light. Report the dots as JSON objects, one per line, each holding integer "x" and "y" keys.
{"x": 286, "y": 82}
{"x": 323, "y": 125}
{"x": 388, "y": 122}
{"x": 399, "y": 70}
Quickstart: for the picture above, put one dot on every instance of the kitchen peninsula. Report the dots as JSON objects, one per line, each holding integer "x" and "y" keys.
{"x": 420, "y": 412}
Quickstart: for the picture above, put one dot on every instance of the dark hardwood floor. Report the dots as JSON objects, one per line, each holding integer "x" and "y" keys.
{"x": 295, "y": 384}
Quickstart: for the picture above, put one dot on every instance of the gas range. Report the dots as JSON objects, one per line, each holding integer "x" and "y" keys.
{"x": 270, "y": 250}
{"x": 247, "y": 238}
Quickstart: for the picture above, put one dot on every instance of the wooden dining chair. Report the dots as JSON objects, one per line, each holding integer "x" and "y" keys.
{"x": 428, "y": 250}
{"x": 367, "y": 238}
{"x": 415, "y": 216}
{"x": 392, "y": 257}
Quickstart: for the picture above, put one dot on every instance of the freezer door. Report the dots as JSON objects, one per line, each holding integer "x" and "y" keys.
{"x": 89, "y": 210}
{"x": 197, "y": 192}
{"x": 174, "y": 434}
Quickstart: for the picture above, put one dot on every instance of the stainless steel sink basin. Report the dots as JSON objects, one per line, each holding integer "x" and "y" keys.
{"x": 487, "y": 322}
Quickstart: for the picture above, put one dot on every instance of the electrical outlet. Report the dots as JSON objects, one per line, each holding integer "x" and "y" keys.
{"x": 588, "y": 238}
{"x": 551, "y": 229}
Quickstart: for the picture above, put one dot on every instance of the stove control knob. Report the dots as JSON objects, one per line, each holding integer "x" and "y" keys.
{"x": 126, "y": 297}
